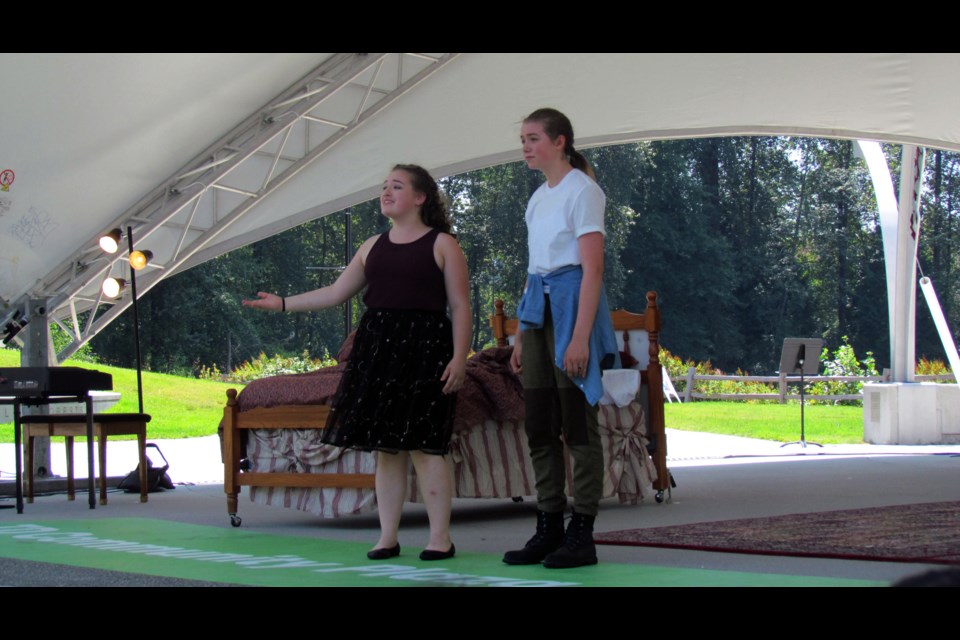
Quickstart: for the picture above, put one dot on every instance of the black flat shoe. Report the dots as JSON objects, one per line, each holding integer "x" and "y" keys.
{"x": 429, "y": 554}
{"x": 384, "y": 553}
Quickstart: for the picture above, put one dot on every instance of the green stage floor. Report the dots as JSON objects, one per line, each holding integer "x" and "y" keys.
{"x": 213, "y": 554}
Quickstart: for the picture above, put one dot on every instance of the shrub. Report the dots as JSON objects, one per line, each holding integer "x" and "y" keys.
{"x": 737, "y": 386}
{"x": 210, "y": 373}
{"x": 263, "y": 367}
{"x": 844, "y": 363}
{"x": 932, "y": 368}
{"x": 61, "y": 339}
{"x": 677, "y": 368}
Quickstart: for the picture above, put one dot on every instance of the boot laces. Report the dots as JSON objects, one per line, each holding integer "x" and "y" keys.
{"x": 578, "y": 533}
{"x": 543, "y": 534}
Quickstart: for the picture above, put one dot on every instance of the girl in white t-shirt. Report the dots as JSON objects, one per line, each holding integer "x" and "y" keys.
{"x": 564, "y": 289}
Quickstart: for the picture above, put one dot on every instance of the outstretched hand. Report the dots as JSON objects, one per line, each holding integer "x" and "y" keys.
{"x": 454, "y": 375}
{"x": 268, "y": 301}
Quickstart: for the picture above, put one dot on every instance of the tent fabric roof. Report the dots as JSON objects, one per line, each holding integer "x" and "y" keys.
{"x": 88, "y": 136}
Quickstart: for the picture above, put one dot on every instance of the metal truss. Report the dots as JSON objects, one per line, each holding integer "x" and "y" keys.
{"x": 189, "y": 210}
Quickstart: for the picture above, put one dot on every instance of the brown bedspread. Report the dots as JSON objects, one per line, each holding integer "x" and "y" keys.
{"x": 491, "y": 390}
{"x": 314, "y": 387}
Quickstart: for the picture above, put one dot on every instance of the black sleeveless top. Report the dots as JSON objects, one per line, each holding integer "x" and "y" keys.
{"x": 404, "y": 276}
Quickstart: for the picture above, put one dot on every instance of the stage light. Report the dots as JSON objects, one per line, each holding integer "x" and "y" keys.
{"x": 112, "y": 287}
{"x": 140, "y": 259}
{"x": 111, "y": 241}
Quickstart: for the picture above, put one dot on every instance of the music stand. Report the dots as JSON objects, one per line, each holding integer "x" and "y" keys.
{"x": 803, "y": 355}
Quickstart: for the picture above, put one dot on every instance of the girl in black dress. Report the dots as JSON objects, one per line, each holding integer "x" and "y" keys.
{"x": 408, "y": 360}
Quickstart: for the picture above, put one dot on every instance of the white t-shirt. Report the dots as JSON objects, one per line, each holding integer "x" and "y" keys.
{"x": 557, "y": 216}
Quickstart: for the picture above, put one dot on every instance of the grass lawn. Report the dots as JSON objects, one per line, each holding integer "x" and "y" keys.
{"x": 181, "y": 407}
{"x": 826, "y": 424}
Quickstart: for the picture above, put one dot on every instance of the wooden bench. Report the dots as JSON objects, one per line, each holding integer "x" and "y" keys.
{"x": 71, "y": 425}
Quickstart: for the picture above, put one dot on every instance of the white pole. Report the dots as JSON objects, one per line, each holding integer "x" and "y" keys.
{"x": 948, "y": 344}
{"x": 908, "y": 232}
{"x": 899, "y": 229}
{"x": 889, "y": 223}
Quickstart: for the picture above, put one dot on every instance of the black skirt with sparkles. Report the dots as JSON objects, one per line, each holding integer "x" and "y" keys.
{"x": 391, "y": 397}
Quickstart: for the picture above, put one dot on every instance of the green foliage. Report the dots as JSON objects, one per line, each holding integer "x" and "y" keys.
{"x": 837, "y": 228}
{"x": 737, "y": 386}
{"x": 927, "y": 367}
{"x": 210, "y": 373}
{"x": 263, "y": 367}
{"x": 843, "y": 363}
{"x": 939, "y": 251}
{"x": 487, "y": 207}
{"x": 61, "y": 339}
{"x": 678, "y": 368}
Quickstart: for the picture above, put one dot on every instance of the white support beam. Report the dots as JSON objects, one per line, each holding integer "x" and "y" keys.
{"x": 899, "y": 229}
{"x": 903, "y": 359}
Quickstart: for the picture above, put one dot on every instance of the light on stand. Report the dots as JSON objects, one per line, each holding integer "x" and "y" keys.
{"x": 111, "y": 241}
{"x": 140, "y": 259}
{"x": 113, "y": 286}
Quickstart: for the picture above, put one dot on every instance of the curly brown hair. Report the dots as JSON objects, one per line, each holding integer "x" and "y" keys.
{"x": 434, "y": 211}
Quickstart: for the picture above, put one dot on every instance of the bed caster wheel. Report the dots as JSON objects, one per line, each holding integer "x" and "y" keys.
{"x": 658, "y": 498}
{"x": 235, "y": 520}
{"x": 517, "y": 498}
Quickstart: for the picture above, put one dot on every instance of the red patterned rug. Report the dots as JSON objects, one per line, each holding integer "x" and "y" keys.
{"x": 906, "y": 533}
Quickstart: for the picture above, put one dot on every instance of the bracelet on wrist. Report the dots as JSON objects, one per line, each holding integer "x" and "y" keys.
{"x": 283, "y": 305}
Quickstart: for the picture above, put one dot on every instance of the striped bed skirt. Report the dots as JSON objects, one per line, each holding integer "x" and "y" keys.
{"x": 490, "y": 459}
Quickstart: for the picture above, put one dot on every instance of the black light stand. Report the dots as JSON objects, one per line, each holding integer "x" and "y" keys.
{"x": 794, "y": 358}
{"x": 136, "y": 321}
{"x": 347, "y": 255}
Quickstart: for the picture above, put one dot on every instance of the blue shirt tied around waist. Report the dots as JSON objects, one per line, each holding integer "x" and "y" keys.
{"x": 564, "y": 284}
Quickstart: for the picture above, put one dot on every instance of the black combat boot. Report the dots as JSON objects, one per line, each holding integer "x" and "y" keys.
{"x": 546, "y": 540}
{"x": 578, "y": 549}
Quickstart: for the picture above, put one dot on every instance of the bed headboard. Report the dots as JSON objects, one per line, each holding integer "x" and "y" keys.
{"x": 637, "y": 333}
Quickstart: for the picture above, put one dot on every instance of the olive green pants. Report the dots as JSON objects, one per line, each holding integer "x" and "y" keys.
{"x": 555, "y": 406}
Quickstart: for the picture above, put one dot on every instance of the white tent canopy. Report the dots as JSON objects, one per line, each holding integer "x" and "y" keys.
{"x": 204, "y": 153}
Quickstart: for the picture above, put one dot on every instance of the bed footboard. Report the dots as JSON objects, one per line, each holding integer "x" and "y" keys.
{"x": 284, "y": 417}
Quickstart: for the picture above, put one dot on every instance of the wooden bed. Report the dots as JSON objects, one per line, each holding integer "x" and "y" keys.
{"x": 275, "y": 450}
